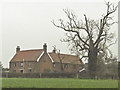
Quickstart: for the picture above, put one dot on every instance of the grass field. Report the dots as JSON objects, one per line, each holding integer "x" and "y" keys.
{"x": 57, "y": 83}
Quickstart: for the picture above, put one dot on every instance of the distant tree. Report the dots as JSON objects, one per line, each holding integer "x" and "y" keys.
{"x": 89, "y": 38}
{"x": 107, "y": 66}
{"x": 1, "y": 66}
{"x": 101, "y": 66}
{"x": 112, "y": 67}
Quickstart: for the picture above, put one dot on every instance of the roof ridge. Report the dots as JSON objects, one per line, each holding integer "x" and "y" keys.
{"x": 31, "y": 50}
{"x": 40, "y": 56}
{"x": 50, "y": 57}
{"x": 63, "y": 54}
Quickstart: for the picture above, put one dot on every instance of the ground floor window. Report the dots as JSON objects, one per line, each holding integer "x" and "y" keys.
{"x": 21, "y": 70}
{"x": 74, "y": 66}
{"x": 14, "y": 71}
{"x": 29, "y": 70}
{"x": 65, "y": 65}
{"x": 14, "y": 64}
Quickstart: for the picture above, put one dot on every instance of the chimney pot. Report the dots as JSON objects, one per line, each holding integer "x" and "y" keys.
{"x": 54, "y": 50}
{"x": 17, "y": 49}
{"x": 45, "y": 47}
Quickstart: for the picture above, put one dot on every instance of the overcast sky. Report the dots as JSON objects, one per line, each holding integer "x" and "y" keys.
{"x": 28, "y": 24}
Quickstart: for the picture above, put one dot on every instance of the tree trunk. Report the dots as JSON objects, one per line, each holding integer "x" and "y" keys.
{"x": 92, "y": 59}
{"x": 61, "y": 66}
{"x": 119, "y": 70}
{"x": 92, "y": 62}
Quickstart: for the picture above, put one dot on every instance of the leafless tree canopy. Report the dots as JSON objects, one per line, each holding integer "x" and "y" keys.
{"x": 86, "y": 34}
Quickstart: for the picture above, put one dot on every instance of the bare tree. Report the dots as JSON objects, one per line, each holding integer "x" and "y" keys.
{"x": 89, "y": 37}
{"x": 60, "y": 58}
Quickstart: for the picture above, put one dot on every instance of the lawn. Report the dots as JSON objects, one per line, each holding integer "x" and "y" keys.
{"x": 57, "y": 83}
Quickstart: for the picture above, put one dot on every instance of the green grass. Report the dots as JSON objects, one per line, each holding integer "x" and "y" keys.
{"x": 57, "y": 83}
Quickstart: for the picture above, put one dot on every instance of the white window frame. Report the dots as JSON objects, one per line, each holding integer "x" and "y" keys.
{"x": 21, "y": 64}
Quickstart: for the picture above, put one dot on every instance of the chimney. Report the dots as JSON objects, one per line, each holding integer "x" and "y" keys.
{"x": 45, "y": 47}
{"x": 17, "y": 49}
{"x": 54, "y": 50}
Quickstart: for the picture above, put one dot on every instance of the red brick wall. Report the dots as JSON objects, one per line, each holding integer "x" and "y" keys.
{"x": 66, "y": 67}
{"x": 25, "y": 67}
{"x": 45, "y": 64}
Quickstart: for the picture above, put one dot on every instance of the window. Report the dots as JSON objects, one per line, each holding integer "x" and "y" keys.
{"x": 65, "y": 65}
{"x": 29, "y": 64}
{"x": 14, "y": 71}
{"x": 74, "y": 66}
{"x": 21, "y": 70}
{"x": 53, "y": 64}
{"x": 14, "y": 64}
{"x": 29, "y": 70}
{"x": 21, "y": 64}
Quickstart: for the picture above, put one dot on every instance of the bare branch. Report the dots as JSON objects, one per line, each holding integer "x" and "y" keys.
{"x": 112, "y": 43}
{"x": 89, "y": 35}
{"x": 87, "y": 28}
{"x": 110, "y": 9}
{"x": 63, "y": 27}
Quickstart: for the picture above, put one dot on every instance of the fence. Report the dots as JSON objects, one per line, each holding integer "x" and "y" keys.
{"x": 39, "y": 75}
{"x": 84, "y": 75}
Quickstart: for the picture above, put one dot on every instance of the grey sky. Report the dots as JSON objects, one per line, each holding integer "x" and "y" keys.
{"x": 29, "y": 25}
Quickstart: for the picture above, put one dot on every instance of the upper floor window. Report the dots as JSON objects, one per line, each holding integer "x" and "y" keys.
{"x": 14, "y": 64}
{"x": 65, "y": 65}
{"x": 21, "y": 64}
{"x": 29, "y": 64}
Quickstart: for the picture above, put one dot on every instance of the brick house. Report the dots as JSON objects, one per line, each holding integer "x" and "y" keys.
{"x": 39, "y": 61}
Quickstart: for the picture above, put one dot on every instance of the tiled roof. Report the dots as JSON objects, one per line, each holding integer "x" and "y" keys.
{"x": 27, "y": 55}
{"x": 65, "y": 58}
{"x": 34, "y": 55}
